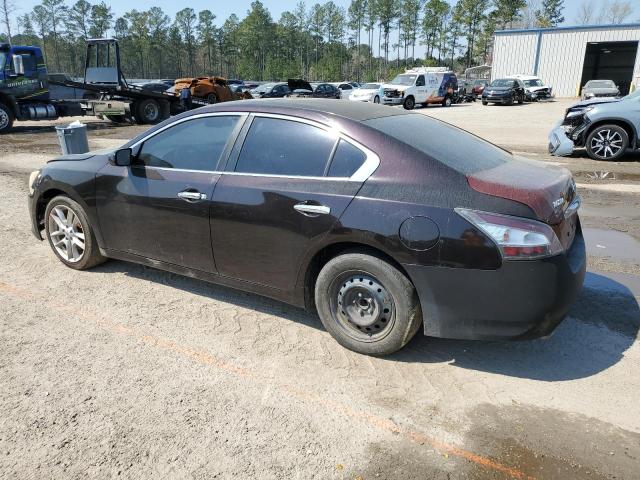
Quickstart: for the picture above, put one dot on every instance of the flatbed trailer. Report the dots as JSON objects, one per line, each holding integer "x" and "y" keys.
{"x": 25, "y": 95}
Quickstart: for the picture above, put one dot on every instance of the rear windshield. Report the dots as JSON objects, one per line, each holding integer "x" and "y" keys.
{"x": 450, "y": 145}
{"x": 600, "y": 84}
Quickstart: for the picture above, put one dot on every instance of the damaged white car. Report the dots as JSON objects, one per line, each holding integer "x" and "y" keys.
{"x": 606, "y": 128}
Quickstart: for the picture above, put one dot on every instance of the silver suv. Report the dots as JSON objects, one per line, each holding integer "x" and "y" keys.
{"x": 606, "y": 128}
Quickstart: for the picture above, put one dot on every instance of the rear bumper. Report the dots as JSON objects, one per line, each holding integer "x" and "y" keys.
{"x": 520, "y": 300}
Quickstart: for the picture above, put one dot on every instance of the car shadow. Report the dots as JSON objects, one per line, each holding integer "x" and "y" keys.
{"x": 213, "y": 291}
{"x": 628, "y": 157}
{"x": 601, "y": 326}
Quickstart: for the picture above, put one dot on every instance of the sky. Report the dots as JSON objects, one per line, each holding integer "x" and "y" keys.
{"x": 222, "y": 9}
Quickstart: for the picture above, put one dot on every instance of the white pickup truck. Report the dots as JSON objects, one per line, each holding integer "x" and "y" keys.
{"x": 424, "y": 85}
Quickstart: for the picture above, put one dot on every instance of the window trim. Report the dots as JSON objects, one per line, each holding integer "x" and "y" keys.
{"x": 224, "y": 155}
{"x": 370, "y": 165}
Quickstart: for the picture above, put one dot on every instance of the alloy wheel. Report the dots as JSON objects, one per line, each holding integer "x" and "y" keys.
{"x": 362, "y": 306}
{"x": 606, "y": 143}
{"x": 66, "y": 233}
{"x": 4, "y": 119}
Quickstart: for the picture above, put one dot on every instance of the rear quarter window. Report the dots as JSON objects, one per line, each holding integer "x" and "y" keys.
{"x": 445, "y": 143}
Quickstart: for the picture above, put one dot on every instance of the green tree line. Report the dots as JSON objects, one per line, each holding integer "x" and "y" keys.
{"x": 371, "y": 39}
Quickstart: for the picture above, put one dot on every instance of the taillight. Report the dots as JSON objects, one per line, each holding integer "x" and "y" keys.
{"x": 517, "y": 238}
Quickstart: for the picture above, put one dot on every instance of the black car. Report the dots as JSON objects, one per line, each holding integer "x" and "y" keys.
{"x": 271, "y": 90}
{"x": 505, "y": 91}
{"x": 338, "y": 207}
{"x": 302, "y": 88}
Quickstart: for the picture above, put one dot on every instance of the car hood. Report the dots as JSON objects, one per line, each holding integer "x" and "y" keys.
{"x": 599, "y": 91}
{"x": 299, "y": 84}
{"x": 536, "y": 89}
{"x": 498, "y": 89}
{"x": 400, "y": 88}
{"x": 585, "y": 103}
{"x": 546, "y": 189}
{"x": 77, "y": 157}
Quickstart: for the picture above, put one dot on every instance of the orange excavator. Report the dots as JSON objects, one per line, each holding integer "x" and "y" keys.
{"x": 209, "y": 89}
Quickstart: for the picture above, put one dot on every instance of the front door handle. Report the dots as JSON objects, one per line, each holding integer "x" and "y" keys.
{"x": 191, "y": 196}
{"x": 311, "y": 209}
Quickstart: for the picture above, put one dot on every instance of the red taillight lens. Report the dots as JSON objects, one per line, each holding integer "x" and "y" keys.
{"x": 517, "y": 238}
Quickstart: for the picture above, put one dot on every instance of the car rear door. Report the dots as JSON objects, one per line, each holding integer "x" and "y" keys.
{"x": 158, "y": 207}
{"x": 287, "y": 183}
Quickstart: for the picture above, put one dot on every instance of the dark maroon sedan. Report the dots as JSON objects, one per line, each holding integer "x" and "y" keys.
{"x": 381, "y": 220}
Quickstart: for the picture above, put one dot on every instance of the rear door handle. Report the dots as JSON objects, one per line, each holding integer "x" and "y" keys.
{"x": 310, "y": 209}
{"x": 191, "y": 196}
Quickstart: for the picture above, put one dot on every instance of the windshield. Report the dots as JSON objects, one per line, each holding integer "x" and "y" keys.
{"x": 404, "y": 80}
{"x": 600, "y": 84}
{"x": 502, "y": 83}
{"x": 370, "y": 86}
{"x": 264, "y": 88}
{"x": 533, "y": 83}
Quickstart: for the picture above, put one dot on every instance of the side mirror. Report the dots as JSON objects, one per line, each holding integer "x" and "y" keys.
{"x": 122, "y": 157}
{"x": 18, "y": 65}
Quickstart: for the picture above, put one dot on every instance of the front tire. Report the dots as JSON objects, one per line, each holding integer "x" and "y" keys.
{"x": 607, "y": 142}
{"x": 367, "y": 304}
{"x": 446, "y": 102}
{"x": 6, "y": 118}
{"x": 485, "y": 103}
{"x": 376, "y": 99}
{"x": 409, "y": 103}
{"x": 70, "y": 235}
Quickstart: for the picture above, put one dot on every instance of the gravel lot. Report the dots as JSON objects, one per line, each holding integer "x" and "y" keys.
{"x": 125, "y": 371}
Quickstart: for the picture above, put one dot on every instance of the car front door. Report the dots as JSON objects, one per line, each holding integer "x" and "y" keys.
{"x": 421, "y": 90}
{"x": 285, "y": 188}
{"x": 158, "y": 207}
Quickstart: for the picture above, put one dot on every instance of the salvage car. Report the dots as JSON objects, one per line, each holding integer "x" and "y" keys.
{"x": 505, "y": 91}
{"x": 605, "y": 127}
{"x": 600, "y": 88}
{"x": 271, "y": 90}
{"x": 479, "y": 86}
{"x": 369, "y": 92}
{"x": 534, "y": 88}
{"x": 338, "y": 207}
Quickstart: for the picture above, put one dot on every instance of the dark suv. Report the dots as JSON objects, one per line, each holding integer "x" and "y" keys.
{"x": 505, "y": 91}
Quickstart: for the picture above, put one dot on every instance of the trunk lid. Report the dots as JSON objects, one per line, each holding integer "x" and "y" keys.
{"x": 546, "y": 189}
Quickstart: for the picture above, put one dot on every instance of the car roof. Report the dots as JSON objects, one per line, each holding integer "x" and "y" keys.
{"x": 350, "y": 110}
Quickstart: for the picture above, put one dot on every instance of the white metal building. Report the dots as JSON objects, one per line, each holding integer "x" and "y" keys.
{"x": 567, "y": 57}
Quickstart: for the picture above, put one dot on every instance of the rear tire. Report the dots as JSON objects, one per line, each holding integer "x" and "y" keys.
{"x": 70, "y": 235}
{"x": 148, "y": 112}
{"x": 409, "y": 103}
{"x": 446, "y": 102}
{"x": 367, "y": 304}
{"x": 607, "y": 142}
{"x": 6, "y": 118}
{"x": 485, "y": 103}
{"x": 212, "y": 99}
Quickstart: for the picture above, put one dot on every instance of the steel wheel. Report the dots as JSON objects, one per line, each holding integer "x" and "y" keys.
{"x": 66, "y": 233}
{"x": 211, "y": 98}
{"x": 362, "y": 306}
{"x": 151, "y": 112}
{"x": 606, "y": 143}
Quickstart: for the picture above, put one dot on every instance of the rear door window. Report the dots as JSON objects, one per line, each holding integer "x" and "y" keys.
{"x": 285, "y": 147}
{"x": 347, "y": 160}
{"x": 191, "y": 145}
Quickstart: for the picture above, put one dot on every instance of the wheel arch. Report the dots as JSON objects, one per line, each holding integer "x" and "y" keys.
{"x": 628, "y": 127}
{"x": 43, "y": 200}
{"x": 309, "y": 273}
{"x": 10, "y": 102}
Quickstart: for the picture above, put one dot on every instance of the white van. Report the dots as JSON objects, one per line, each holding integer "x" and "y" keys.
{"x": 424, "y": 85}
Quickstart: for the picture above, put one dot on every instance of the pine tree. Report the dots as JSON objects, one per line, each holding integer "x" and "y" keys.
{"x": 550, "y": 15}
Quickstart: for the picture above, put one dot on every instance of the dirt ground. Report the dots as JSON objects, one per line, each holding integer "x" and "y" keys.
{"x": 125, "y": 371}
